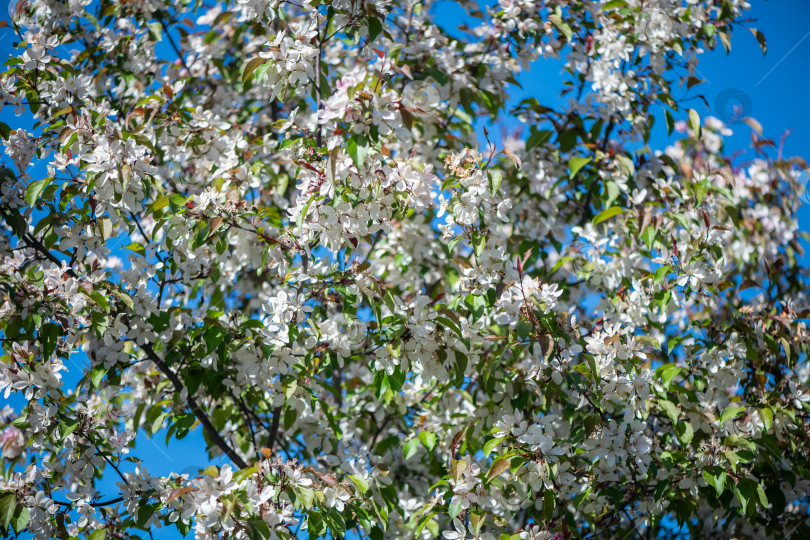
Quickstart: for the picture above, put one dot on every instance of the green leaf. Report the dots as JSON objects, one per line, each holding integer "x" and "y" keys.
{"x": 457, "y": 468}
{"x": 288, "y": 142}
{"x": 357, "y": 147}
{"x": 648, "y": 340}
{"x": 141, "y": 139}
{"x": 20, "y": 519}
{"x": 259, "y": 530}
{"x": 160, "y": 203}
{"x": 763, "y": 498}
{"x": 360, "y": 482}
{"x": 380, "y": 384}
{"x": 444, "y": 321}
{"x": 523, "y": 329}
{"x": 213, "y": 337}
{"x": 661, "y": 273}
{"x": 725, "y": 41}
{"x": 250, "y": 67}
{"x": 105, "y": 228}
{"x": 670, "y": 121}
{"x": 177, "y": 201}
{"x": 627, "y": 164}
{"x": 612, "y": 192}
{"x": 694, "y": 122}
{"x": 575, "y": 164}
{"x": 377, "y": 534}
{"x": 388, "y": 298}
{"x": 241, "y": 474}
{"x": 491, "y": 444}
{"x": 155, "y": 30}
{"x": 455, "y": 508}
{"x": 671, "y": 410}
{"x": 667, "y": 372}
{"x": 397, "y": 379}
{"x": 299, "y": 220}
{"x": 743, "y": 500}
{"x": 374, "y": 28}
{"x": 100, "y": 300}
{"x": 479, "y": 242}
{"x": 123, "y": 297}
{"x": 97, "y": 374}
{"x": 495, "y": 179}
{"x": 477, "y": 519}
{"x": 607, "y": 214}
{"x": 7, "y": 506}
{"x": 98, "y": 534}
{"x": 34, "y": 189}
{"x": 561, "y": 25}
{"x": 428, "y": 518}
{"x": 701, "y": 189}
{"x": 537, "y": 138}
{"x": 685, "y": 432}
{"x": 763, "y": 44}
{"x": 716, "y": 478}
{"x": 548, "y": 504}
{"x": 786, "y": 346}
{"x": 409, "y": 448}
{"x": 158, "y": 423}
{"x": 48, "y": 335}
{"x": 748, "y": 493}
{"x": 440, "y": 77}
{"x": 428, "y": 439}
{"x": 730, "y": 412}
{"x": 591, "y": 423}
{"x": 289, "y": 386}
{"x": 567, "y": 140}
{"x": 648, "y": 236}
{"x": 476, "y": 305}
{"x": 767, "y": 417}
{"x": 136, "y": 247}
{"x": 498, "y": 466}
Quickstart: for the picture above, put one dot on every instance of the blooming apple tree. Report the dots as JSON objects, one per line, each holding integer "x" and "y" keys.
{"x": 283, "y": 227}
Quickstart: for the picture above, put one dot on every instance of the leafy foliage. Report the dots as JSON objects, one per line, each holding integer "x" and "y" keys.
{"x": 269, "y": 223}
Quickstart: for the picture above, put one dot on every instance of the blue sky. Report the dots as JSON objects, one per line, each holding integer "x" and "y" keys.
{"x": 771, "y": 87}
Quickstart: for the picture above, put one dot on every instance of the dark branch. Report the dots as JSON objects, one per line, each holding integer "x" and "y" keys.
{"x": 271, "y": 438}
{"x": 195, "y": 408}
{"x": 96, "y": 504}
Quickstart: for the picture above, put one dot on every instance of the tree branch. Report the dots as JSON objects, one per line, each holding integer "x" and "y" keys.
{"x": 35, "y": 244}
{"x": 195, "y": 408}
{"x": 150, "y": 352}
{"x": 271, "y": 438}
{"x": 96, "y": 504}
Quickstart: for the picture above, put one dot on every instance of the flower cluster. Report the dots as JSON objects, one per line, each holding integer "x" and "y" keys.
{"x": 235, "y": 223}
